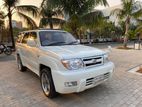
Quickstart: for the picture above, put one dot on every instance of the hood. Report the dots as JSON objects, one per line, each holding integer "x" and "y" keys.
{"x": 72, "y": 51}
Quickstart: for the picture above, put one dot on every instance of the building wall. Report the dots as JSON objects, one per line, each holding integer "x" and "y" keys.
{"x": 110, "y": 17}
{"x": 114, "y": 18}
{"x": 15, "y": 24}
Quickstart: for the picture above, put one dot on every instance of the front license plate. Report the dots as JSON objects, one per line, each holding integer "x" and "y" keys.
{"x": 100, "y": 78}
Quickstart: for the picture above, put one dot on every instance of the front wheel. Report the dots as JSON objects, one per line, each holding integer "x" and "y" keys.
{"x": 47, "y": 84}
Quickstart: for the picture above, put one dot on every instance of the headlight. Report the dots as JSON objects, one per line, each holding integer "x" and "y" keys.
{"x": 72, "y": 64}
{"x": 106, "y": 59}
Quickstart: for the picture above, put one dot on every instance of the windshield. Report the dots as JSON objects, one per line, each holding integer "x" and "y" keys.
{"x": 54, "y": 38}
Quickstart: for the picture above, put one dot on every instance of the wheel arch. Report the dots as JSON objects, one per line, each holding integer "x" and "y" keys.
{"x": 42, "y": 66}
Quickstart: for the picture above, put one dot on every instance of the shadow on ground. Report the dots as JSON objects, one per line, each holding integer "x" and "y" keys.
{"x": 6, "y": 58}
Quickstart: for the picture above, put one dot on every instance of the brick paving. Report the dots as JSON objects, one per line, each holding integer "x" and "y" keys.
{"x": 19, "y": 89}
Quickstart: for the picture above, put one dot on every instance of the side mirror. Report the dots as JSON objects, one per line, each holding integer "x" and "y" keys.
{"x": 31, "y": 43}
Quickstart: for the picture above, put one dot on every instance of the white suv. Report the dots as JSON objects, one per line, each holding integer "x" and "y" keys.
{"x": 63, "y": 65}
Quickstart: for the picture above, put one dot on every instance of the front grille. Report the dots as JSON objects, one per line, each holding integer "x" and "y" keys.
{"x": 97, "y": 79}
{"x": 93, "y": 61}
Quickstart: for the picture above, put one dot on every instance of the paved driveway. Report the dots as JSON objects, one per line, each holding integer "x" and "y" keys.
{"x": 19, "y": 89}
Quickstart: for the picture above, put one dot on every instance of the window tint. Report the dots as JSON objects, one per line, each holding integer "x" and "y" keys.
{"x": 25, "y": 38}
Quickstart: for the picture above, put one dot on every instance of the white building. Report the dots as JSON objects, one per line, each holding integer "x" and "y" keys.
{"x": 114, "y": 18}
{"x": 107, "y": 13}
{"x": 15, "y": 24}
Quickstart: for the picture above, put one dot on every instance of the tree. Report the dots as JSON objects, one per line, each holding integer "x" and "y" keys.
{"x": 12, "y": 8}
{"x": 49, "y": 15}
{"x": 74, "y": 11}
{"x": 131, "y": 9}
{"x": 89, "y": 20}
{"x": 79, "y": 7}
{"x": 1, "y": 24}
{"x": 93, "y": 19}
{"x": 1, "y": 19}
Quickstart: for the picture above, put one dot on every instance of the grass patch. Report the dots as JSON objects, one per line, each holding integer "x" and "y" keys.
{"x": 124, "y": 48}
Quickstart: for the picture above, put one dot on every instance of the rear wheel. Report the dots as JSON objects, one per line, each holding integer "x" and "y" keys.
{"x": 20, "y": 65}
{"x": 47, "y": 84}
{"x": 8, "y": 51}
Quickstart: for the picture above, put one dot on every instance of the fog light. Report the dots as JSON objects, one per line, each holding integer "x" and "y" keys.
{"x": 70, "y": 84}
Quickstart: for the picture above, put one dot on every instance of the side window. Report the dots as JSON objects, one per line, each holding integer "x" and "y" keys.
{"x": 25, "y": 38}
{"x": 33, "y": 35}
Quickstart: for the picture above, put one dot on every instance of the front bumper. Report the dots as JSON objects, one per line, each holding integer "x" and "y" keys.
{"x": 81, "y": 77}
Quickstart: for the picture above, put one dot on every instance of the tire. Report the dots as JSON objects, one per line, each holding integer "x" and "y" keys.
{"x": 8, "y": 51}
{"x": 1, "y": 51}
{"x": 47, "y": 84}
{"x": 20, "y": 65}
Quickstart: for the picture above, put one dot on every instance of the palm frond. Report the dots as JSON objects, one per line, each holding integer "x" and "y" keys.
{"x": 29, "y": 21}
{"x": 10, "y": 3}
{"x": 52, "y": 3}
{"x": 79, "y": 7}
{"x": 55, "y": 21}
{"x": 42, "y": 3}
{"x": 28, "y": 9}
{"x": 116, "y": 11}
{"x": 120, "y": 13}
{"x": 58, "y": 12}
{"x": 92, "y": 19}
{"x": 139, "y": 29}
{"x": 101, "y": 2}
{"x": 137, "y": 14}
{"x": 92, "y": 16}
{"x": 139, "y": 20}
{"x": 2, "y": 15}
{"x": 48, "y": 10}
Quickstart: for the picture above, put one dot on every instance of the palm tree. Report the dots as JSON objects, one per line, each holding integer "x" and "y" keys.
{"x": 131, "y": 9}
{"x": 1, "y": 19}
{"x": 138, "y": 30}
{"x": 12, "y": 8}
{"x": 50, "y": 15}
{"x": 1, "y": 24}
{"x": 92, "y": 19}
{"x": 80, "y": 7}
{"x": 76, "y": 22}
{"x": 75, "y": 10}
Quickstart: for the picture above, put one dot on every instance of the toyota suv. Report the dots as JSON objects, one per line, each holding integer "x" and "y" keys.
{"x": 63, "y": 65}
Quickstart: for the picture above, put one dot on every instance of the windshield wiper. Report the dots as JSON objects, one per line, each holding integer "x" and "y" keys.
{"x": 55, "y": 43}
{"x": 74, "y": 42}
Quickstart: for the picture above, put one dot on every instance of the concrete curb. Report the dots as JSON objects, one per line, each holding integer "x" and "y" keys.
{"x": 134, "y": 69}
